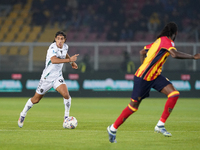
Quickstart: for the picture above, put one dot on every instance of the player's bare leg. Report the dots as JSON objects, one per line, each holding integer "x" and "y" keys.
{"x": 29, "y": 104}
{"x": 173, "y": 96}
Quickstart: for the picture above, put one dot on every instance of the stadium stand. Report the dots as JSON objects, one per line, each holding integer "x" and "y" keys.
{"x": 88, "y": 21}
{"x": 127, "y": 11}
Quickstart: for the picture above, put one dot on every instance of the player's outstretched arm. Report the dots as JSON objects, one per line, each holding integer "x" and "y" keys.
{"x": 197, "y": 56}
{"x": 181, "y": 55}
{"x": 56, "y": 60}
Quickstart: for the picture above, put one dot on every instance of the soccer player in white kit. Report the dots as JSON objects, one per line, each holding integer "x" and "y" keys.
{"x": 52, "y": 75}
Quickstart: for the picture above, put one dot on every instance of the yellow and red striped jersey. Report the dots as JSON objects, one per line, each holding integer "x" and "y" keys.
{"x": 156, "y": 56}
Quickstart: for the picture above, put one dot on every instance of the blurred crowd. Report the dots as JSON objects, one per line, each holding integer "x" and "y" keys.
{"x": 120, "y": 19}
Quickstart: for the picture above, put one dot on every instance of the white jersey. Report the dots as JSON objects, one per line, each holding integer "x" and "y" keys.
{"x": 53, "y": 71}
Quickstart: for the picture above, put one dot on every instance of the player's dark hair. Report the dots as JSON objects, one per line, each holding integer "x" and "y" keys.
{"x": 60, "y": 33}
{"x": 170, "y": 29}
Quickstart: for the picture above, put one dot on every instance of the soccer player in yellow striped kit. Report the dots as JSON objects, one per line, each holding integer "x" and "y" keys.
{"x": 148, "y": 76}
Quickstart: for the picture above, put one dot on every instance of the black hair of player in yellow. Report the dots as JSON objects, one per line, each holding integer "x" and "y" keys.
{"x": 169, "y": 30}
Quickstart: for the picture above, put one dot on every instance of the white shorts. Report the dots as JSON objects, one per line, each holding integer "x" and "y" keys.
{"x": 44, "y": 85}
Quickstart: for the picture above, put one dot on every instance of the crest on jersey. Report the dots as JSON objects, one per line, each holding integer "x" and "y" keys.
{"x": 61, "y": 80}
{"x": 41, "y": 90}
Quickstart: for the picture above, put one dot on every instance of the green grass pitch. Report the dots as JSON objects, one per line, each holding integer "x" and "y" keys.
{"x": 43, "y": 129}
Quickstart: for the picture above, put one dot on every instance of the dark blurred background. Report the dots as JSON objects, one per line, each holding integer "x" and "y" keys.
{"x": 108, "y": 35}
{"x": 33, "y": 22}
{"x": 98, "y": 20}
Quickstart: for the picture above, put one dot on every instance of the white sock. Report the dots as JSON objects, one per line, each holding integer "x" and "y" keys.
{"x": 28, "y": 106}
{"x": 112, "y": 128}
{"x": 160, "y": 123}
{"x": 67, "y": 103}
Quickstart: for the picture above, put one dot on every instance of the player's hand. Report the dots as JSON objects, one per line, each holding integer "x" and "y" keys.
{"x": 74, "y": 57}
{"x": 74, "y": 65}
{"x": 197, "y": 56}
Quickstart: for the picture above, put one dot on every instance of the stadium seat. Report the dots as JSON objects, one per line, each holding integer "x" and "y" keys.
{"x": 149, "y": 37}
{"x": 85, "y": 30}
{"x": 8, "y": 22}
{"x": 39, "y": 53}
{"x": 3, "y": 50}
{"x": 4, "y": 29}
{"x": 19, "y": 22}
{"x": 105, "y": 51}
{"x": 1, "y": 20}
{"x": 26, "y": 28}
{"x": 102, "y": 37}
{"x": 117, "y": 51}
{"x": 92, "y": 37}
{"x": 71, "y": 36}
{"x": 182, "y": 37}
{"x": 15, "y": 29}
{"x": 139, "y": 36}
{"x": 13, "y": 50}
{"x": 72, "y": 50}
{"x": 48, "y": 35}
{"x": 32, "y": 37}
{"x": 24, "y": 50}
{"x": 36, "y": 29}
{"x": 1, "y": 36}
{"x": 27, "y": 7}
{"x": 23, "y": 14}
{"x": 17, "y": 7}
{"x": 81, "y": 36}
{"x": 83, "y": 51}
{"x": 20, "y": 37}
{"x": 9, "y": 37}
{"x": 13, "y": 15}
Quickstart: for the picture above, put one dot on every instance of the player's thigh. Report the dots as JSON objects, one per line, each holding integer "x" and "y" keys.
{"x": 163, "y": 85}
{"x": 60, "y": 86}
{"x": 168, "y": 89}
{"x": 141, "y": 89}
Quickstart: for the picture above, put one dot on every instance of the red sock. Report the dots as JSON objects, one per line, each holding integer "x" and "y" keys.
{"x": 124, "y": 115}
{"x": 171, "y": 101}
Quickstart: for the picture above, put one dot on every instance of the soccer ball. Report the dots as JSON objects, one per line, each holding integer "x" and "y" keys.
{"x": 70, "y": 123}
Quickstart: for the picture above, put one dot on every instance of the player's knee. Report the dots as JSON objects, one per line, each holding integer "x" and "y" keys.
{"x": 35, "y": 100}
{"x": 134, "y": 104}
{"x": 66, "y": 95}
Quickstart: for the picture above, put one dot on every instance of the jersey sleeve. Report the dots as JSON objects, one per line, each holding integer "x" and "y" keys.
{"x": 52, "y": 50}
{"x": 172, "y": 46}
{"x": 167, "y": 44}
{"x": 147, "y": 47}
